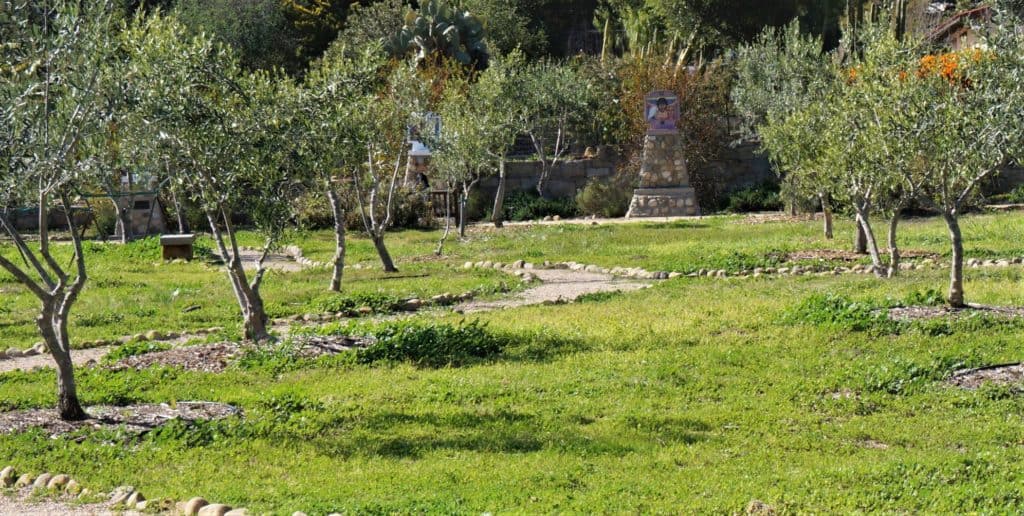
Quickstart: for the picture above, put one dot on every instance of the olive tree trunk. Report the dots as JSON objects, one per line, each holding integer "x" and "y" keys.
{"x": 894, "y": 249}
{"x": 826, "y": 208}
{"x": 498, "y": 215}
{"x": 250, "y": 302}
{"x": 338, "y": 262}
{"x": 864, "y": 223}
{"x": 956, "y": 269}
{"x": 382, "y": 252}
{"x": 57, "y": 293}
{"x": 860, "y": 240}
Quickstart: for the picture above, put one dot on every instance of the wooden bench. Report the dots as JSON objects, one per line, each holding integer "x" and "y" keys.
{"x": 177, "y": 246}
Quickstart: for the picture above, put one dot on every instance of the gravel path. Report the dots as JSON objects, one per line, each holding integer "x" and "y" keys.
{"x": 558, "y": 285}
{"x": 276, "y": 261}
{"x": 24, "y": 506}
{"x": 78, "y": 356}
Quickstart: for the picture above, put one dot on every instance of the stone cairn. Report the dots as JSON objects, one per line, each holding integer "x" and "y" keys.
{"x": 664, "y": 182}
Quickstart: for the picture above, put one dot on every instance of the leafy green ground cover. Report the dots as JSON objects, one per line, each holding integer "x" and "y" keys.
{"x": 697, "y": 395}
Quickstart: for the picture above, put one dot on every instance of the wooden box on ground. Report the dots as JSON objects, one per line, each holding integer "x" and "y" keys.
{"x": 177, "y": 246}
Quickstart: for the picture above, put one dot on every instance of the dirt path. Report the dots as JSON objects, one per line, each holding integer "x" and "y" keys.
{"x": 24, "y": 505}
{"x": 276, "y": 261}
{"x": 558, "y": 285}
{"x": 79, "y": 356}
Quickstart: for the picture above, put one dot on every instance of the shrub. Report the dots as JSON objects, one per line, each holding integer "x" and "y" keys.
{"x": 338, "y": 303}
{"x": 428, "y": 344}
{"x": 840, "y": 311}
{"x": 135, "y": 348}
{"x": 521, "y": 205}
{"x": 764, "y": 197}
{"x": 605, "y": 199}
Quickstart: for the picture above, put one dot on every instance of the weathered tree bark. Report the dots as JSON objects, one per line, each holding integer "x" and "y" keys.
{"x": 124, "y": 222}
{"x": 860, "y": 240}
{"x": 447, "y": 221}
{"x": 254, "y": 316}
{"x": 864, "y": 223}
{"x": 956, "y": 269}
{"x": 462, "y": 212}
{"x": 180, "y": 213}
{"x": 57, "y": 293}
{"x": 339, "y": 238}
{"x": 826, "y": 208}
{"x": 894, "y": 250}
{"x": 498, "y": 215}
{"x": 382, "y": 251}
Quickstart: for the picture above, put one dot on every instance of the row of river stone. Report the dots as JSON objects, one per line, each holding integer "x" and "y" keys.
{"x": 123, "y": 497}
{"x": 152, "y": 335}
{"x": 793, "y": 270}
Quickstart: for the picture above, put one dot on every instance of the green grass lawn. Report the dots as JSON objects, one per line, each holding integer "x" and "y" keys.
{"x": 694, "y": 396}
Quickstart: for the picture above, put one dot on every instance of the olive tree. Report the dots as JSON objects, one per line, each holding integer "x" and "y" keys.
{"x": 332, "y": 133}
{"x": 384, "y": 117}
{"x": 553, "y": 104}
{"x": 781, "y": 72}
{"x": 970, "y": 130}
{"x": 49, "y": 104}
{"x": 222, "y": 129}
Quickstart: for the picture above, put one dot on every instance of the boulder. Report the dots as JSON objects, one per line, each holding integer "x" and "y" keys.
{"x": 238, "y": 512}
{"x": 58, "y": 482}
{"x": 411, "y": 305}
{"x": 467, "y": 265}
{"x": 154, "y": 335}
{"x": 214, "y": 509}
{"x": 24, "y": 481}
{"x": 120, "y": 495}
{"x": 519, "y": 264}
{"x": 134, "y": 499}
{"x": 191, "y": 507}
{"x": 72, "y": 487}
{"x": 7, "y": 476}
{"x": 41, "y": 481}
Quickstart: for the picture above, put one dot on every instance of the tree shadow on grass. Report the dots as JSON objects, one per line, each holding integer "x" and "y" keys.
{"x": 400, "y": 435}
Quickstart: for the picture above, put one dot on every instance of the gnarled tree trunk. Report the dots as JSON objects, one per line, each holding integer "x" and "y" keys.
{"x": 338, "y": 261}
{"x": 860, "y": 240}
{"x": 382, "y": 252}
{"x": 864, "y": 223}
{"x": 498, "y": 215}
{"x": 956, "y": 269}
{"x": 250, "y": 302}
{"x": 826, "y": 208}
{"x": 894, "y": 250}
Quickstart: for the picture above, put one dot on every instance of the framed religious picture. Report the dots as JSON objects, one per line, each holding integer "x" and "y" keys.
{"x": 661, "y": 111}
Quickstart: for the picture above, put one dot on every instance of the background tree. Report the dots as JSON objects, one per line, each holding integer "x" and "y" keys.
{"x": 332, "y": 133}
{"x": 53, "y": 53}
{"x": 386, "y": 117}
{"x": 226, "y": 133}
{"x": 257, "y": 29}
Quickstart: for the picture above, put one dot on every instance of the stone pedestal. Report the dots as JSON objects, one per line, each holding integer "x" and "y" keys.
{"x": 664, "y": 182}
{"x": 417, "y": 168}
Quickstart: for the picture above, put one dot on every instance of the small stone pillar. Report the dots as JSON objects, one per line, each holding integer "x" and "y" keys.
{"x": 416, "y": 168}
{"x": 664, "y": 182}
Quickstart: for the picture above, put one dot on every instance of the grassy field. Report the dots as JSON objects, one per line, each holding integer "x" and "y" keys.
{"x": 694, "y": 396}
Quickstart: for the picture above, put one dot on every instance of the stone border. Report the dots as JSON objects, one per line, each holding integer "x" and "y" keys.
{"x": 150, "y": 336}
{"x": 521, "y": 268}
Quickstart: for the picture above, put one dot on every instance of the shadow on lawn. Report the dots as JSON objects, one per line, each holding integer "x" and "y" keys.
{"x": 401, "y": 435}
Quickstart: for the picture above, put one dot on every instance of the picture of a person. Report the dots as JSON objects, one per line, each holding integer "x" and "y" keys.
{"x": 660, "y": 115}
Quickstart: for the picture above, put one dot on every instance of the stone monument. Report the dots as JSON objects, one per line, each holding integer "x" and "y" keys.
{"x": 664, "y": 182}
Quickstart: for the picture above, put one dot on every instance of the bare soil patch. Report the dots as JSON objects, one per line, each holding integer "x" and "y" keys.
{"x": 558, "y": 285}
{"x": 133, "y": 418}
{"x": 207, "y": 358}
{"x": 215, "y": 358}
{"x": 1005, "y": 374}
{"x": 916, "y": 313}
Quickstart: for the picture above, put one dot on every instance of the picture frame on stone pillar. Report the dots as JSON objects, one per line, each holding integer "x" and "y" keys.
{"x": 661, "y": 111}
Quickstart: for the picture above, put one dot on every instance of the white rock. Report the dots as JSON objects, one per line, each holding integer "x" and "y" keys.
{"x": 7, "y": 476}
{"x": 214, "y": 509}
{"x": 41, "y": 481}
